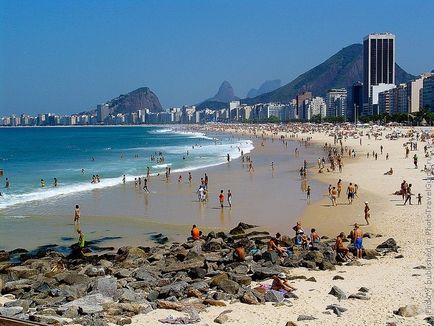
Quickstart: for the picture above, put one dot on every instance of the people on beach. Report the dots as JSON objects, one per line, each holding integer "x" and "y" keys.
{"x": 333, "y": 196}
{"x": 408, "y": 195}
{"x": 390, "y": 172}
{"x": 358, "y": 240}
{"x": 281, "y": 283}
{"x": 221, "y": 198}
{"x": 229, "y": 198}
{"x": 123, "y": 179}
{"x": 145, "y": 185}
{"x": 419, "y": 199}
{"x": 308, "y": 189}
{"x": 350, "y": 193}
{"x": 273, "y": 245}
{"x": 314, "y": 237}
{"x": 341, "y": 250}
{"x": 339, "y": 185}
{"x": 77, "y": 215}
{"x": 81, "y": 240}
{"x": 367, "y": 212}
{"x": 299, "y": 232}
{"x": 189, "y": 177}
{"x": 239, "y": 253}
{"x": 195, "y": 232}
{"x": 55, "y": 182}
{"x": 415, "y": 161}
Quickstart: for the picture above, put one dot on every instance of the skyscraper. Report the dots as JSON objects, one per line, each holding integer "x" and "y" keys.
{"x": 378, "y": 64}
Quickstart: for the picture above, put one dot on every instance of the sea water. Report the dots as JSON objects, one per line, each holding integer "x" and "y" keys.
{"x": 74, "y": 154}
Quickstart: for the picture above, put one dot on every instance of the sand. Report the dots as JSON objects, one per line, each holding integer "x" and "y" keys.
{"x": 392, "y": 282}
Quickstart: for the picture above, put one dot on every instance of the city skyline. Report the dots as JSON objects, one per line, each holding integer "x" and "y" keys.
{"x": 83, "y": 54}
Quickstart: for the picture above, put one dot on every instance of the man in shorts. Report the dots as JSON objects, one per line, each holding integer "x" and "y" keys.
{"x": 358, "y": 240}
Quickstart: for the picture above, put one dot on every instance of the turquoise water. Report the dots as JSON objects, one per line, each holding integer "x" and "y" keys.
{"x": 28, "y": 155}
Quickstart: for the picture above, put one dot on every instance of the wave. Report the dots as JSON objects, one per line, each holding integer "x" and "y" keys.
{"x": 212, "y": 155}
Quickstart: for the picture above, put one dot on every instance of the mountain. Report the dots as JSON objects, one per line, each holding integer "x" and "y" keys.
{"x": 267, "y": 86}
{"x": 139, "y": 99}
{"x": 224, "y": 95}
{"x": 340, "y": 70}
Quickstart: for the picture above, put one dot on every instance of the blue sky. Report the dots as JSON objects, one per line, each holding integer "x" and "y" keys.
{"x": 67, "y": 56}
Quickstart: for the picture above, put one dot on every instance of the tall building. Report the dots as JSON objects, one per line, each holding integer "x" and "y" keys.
{"x": 300, "y": 98}
{"x": 314, "y": 107}
{"x": 355, "y": 102}
{"x": 378, "y": 64}
{"x": 414, "y": 88}
{"x": 336, "y": 101}
{"x": 428, "y": 93}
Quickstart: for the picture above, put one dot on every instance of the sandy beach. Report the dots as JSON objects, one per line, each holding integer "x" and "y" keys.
{"x": 394, "y": 281}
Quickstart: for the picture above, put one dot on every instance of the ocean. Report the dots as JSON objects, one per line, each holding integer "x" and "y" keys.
{"x": 74, "y": 155}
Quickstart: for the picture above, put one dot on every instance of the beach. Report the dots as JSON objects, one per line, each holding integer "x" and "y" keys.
{"x": 274, "y": 200}
{"x": 393, "y": 282}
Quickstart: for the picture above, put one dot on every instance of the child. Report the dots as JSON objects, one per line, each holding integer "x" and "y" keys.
{"x": 304, "y": 241}
{"x": 419, "y": 199}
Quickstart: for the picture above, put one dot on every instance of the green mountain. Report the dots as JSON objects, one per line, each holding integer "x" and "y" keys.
{"x": 341, "y": 70}
{"x": 139, "y": 99}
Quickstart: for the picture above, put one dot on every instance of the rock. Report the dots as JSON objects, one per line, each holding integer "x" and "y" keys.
{"x": 182, "y": 266}
{"x": 197, "y": 272}
{"x": 175, "y": 289}
{"x": 338, "y": 293}
{"x": 216, "y": 280}
{"x": 388, "y": 245}
{"x": 314, "y": 255}
{"x": 106, "y": 286}
{"x": 229, "y": 286}
{"x": 237, "y": 231}
{"x": 354, "y": 263}
{"x": 246, "y": 226}
{"x": 419, "y": 267}
{"x": 71, "y": 312}
{"x": 105, "y": 263}
{"x": 23, "y": 284}
{"x": 370, "y": 254}
{"x": 408, "y": 311}
{"x": 10, "y": 311}
{"x": 124, "y": 273}
{"x": 337, "y": 277}
{"x": 194, "y": 293}
{"x": 363, "y": 289}
{"x": 271, "y": 256}
{"x": 241, "y": 279}
{"x": 274, "y": 296}
{"x": 311, "y": 279}
{"x": 261, "y": 273}
{"x": 338, "y": 310}
{"x": 143, "y": 274}
{"x": 430, "y": 320}
{"x": 308, "y": 264}
{"x": 399, "y": 256}
{"x": 72, "y": 277}
{"x": 201, "y": 286}
{"x": 290, "y": 323}
{"x": 125, "y": 321}
{"x": 326, "y": 265}
{"x": 129, "y": 295}
{"x": 49, "y": 319}
{"x": 241, "y": 269}
{"x": 163, "y": 304}
{"x": 25, "y": 304}
{"x": 359, "y": 296}
{"x": 249, "y": 298}
{"x": 4, "y": 255}
{"x": 305, "y": 317}
{"x": 89, "y": 304}
{"x": 223, "y": 317}
{"x": 214, "y": 245}
{"x": 134, "y": 253}
{"x": 212, "y": 302}
{"x": 94, "y": 271}
{"x": 152, "y": 296}
{"x": 19, "y": 272}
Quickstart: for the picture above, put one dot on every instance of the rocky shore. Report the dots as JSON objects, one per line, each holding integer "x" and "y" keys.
{"x": 109, "y": 288}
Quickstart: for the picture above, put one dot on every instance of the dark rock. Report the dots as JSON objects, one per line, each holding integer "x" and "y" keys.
{"x": 364, "y": 290}
{"x": 221, "y": 296}
{"x": 419, "y": 267}
{"x": 337, "y": 277}
{"x": 338, "y": 293}
{"x": 311, "y": 279}
{"x": 175, "y": 266}
{"x": 388, "y": 245}
{"x": 90, "y": 304}
{"x": 338, "y": 310}
{"x": 197, "y": 272}
{"x": 175, "y": 289}
{"x": 72, "y": 277}
{"x": 241, "y": 279}
{"x": 290, "y": 323}
{"x": 10, "y": 311}
{"x": 123, "y": 273}
{"x": 229, "y": 286}
{"x": 25, "y": 304}
{"x": 308, "y": 264}
{"x": 4, "y": 255}
{"x": 271, "y": 256}
{"x": 237, "y": 231}
{"x": 370, "y": 254}
{"x": 430, "y": 320}
{"x": 214, "y": 245}
{"x": 216, "y": 303}
{"x": 305, "y": 317}
{"x": 274, "y": 296}
{"x": 223, "y": 317}
{"x": 201, "y": 286}
{"x": 359, "y": 296}
{"x": 326, "y": 265}
{"x": 19, "y": 272}
{"x": 23, "y": 284}
{"x": 246, "y": 226}
{"x": 216, "y": 280}
{"x": 106, "y": 286}
{"x": 399, "y": 256}
{"x": 260, "y": 273}
{"x": 142, "y": 274}
{"x": 291, "y": 262}
{"x": 314, "y": 256}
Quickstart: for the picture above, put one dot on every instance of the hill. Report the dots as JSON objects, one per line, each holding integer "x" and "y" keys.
{"x": 139, "y": 99}
{"x": 267, "y": 86}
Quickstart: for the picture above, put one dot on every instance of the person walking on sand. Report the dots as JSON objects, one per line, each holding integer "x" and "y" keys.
{"x": 367, "y": 214}
{"x": 339, "y": 188}
{"x": 419, "y": 199}
{"x": 333, "y": 196}
{"x": 229, "y": 198}
{"x": 77, "y": 214}
{"x": 350, "y": 193}
{"x": 415, "y": 161}
{"x": 308, "y": 194}
{"x": 408, "y": 195}
{"x": 145, "y": 184}
{"x": 221, "y": 198}
{"x": 189, "y": 177}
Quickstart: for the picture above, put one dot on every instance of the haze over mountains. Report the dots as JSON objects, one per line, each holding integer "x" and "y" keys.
{"x": 340, "y": 70}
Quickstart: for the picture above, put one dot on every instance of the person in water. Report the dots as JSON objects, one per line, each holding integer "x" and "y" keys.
{"x": 42, "y": 183}
{"x": 81, "y": 240}
{"x": 77, "y": 214}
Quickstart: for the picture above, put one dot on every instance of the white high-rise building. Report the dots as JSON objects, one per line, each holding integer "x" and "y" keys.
{"x": 336, "y": 101}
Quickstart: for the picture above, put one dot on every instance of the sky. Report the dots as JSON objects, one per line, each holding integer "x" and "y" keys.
{"x": 68, "y": 56}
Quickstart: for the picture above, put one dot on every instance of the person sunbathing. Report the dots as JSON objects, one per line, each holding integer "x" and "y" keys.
{"x": 390, "y": 172}
{"x": 281, "y": 283}
{"x": 273, "y": 245}
{"x": 341, "y": 250}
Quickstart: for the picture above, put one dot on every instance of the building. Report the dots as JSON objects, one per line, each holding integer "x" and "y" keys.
{"x": 355, "y": 101}
{"x": 336, "y": 101}
{"x": 378, "y": 65}
{"x": 314, "y": 107}
{"x": 375, "y": 90}
{"x": 414, "y": 89}
{"x": 428, "y": 93}
{"x": 300, "y": 98}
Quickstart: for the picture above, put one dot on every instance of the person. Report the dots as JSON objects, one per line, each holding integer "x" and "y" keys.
{"x": 390, "y": 172}
{"x": 419, "y": 199}
{"x": 281, "y": 283}
{"x": 228, "y": 157}
{"x": 77, "y": 214}
{"x": 350, "y": 193}
{"x": 299, "y": 232}
{"x": 339, "y": 188}
{"x": 314, "y": 237}
{"x": 304, "y": 241}
{"x": 415, "y": 161}
{"x": 408, "y": 195}
{"x": 206, "y": 181}
{"x": 81, "y": 240}
{"x": 341, "y": 250}
{"x": 42, "y": 183}
{"x": 189, "y": 177}
{"x": 308, "y": 194}
{"x": 195, "y": 232}
{"x": 333, "y": 196}
{"x": 7, "y": 183}
{"x": 240, "y": 253}
{"x": 221, "y": 198}
{"x": 201, "y": 193}
{"x": 180, "y": 178}
{"x": 273, "y": 245}
{"x": 229, "y": 198}
{"x": 358, "y": 240}
{"x": 145, "y": 184}
{"x": 367, "y": 214}
{"x": 387, "y": 156}
{"x": 55, "y": 182}
{"x": 123, "y": 179}
{"x": 356, "y": 188}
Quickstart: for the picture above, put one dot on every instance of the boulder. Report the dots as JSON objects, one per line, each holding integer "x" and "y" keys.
{"x": 194, "y": 293}
{"x": 338, "y": 293}
{"x": 260, "y": 273}
{"x": 370, "y": 254}
{"x": 305, "y": 317}
{"x": 23, "y": 284}
{"x": 274, "y": 296}
{"x": 25, "y": 304}
{"x": 214, "y": 245}
{"x": 408, "y": 311}
{"x": 229, "y": 286}
{"x": 271, "y": 256}
{"x": 388, "y": 245}
{"x": 326, "y": 265}
{"x": 216, "y": 280}
{"x": 249, "y": 298}
{"x": 94, "y": 271}
{"x": 175, "y": 266}
{"x": 4, "y": 255}
{"x": 337, "y": 277}
{"x": 175, "y": 289}
{"x": 338, "y": 310}
{"x": 223, "y": 317}
{"x": 314, "y": 256}
{"x": 106, "y": 286}
{"x": 89, "y": 304}
{"x": 216, "y": 303}
{"x": 359, "y": 296}
{"x": 19, "y": 272}
{"x": 72, "y": 277}
{"x": 237, "y": 231}
{"x": 10, "y": 311}
{"x": 311, "y": 279}
{"x": 241, "y": 279}
{"x": 164, "y": 304}
{"x": 197, "y": 272}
